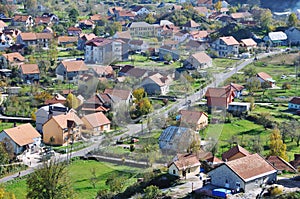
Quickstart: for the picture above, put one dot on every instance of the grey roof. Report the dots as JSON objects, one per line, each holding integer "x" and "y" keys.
{"x": 138, "y": 24}
{"x": 172, "y": 132}
{"x": 276, "y": 36}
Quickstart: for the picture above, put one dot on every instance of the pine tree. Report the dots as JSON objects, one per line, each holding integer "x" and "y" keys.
{"x": 277, "y": 147}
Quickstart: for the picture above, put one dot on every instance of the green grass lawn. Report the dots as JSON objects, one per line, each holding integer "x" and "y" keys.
{"x": 80, "y": 172}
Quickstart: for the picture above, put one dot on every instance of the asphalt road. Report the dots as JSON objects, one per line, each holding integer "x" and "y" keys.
{"x": 135, "y": 128}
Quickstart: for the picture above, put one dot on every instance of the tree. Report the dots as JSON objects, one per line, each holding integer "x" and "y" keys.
{"x": 33, "y": 116}
{"x": 138, "y": 94}
{"x": 251, "y": 100}
{"x": 152, "y": 192}
{"x": 94, "y": 179}
{"x": 6, "y": 195}
{"x": 253, "y": 84}
{"x": 150, "y": 19}
{"x": 4, "y": 157}
{"x": 73, "y": 14}
{"x": 115, "y": 183}
{"x": 30, "y": 5}
{"x": 145, "y": 106}
{"x": 72, "y": 101}
{"x": 265, "y": 85}
{"x": 218, "y": 6}
{"x": 285, "y": 130}
{"x": 168, "y": 57}
{"x": 50, "y": 181}
{"x": 292, "y": 20}
{"x": 277, "y": 147}
{"x": 266, "y": 18}
{"x": 286, "y": 86}
{"x": 250, "y": 72}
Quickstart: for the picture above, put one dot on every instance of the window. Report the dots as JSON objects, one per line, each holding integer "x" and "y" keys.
{"x": 189, "y": 170}
{"x": 174, "y": 172}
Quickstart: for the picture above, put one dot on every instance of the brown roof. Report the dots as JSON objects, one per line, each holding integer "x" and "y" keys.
{"x": 74, "y": 65}
{"x": 97, "y": 119}
{"x": 264, "y": 76}
{"x": 88, "y": 36}
{"x": 209, "y": 2}
{"x": 21, "y": 18}
{"x": 64, "y": 39}
{"x": 202, "y": 57}
{"x": 217, "y": 92}
{"x": 186, "y": 161}
{"x": 87, "y": 22}
{"x": 230, "y": 40}
{"x": 136, "y": 72}
{"x": 39, "y": 20}
{"x": 249, "y": 42}
{"x": 295, "y": 100}
{"x": 11, "y": 57}
{"x": 191, "y": 116}
{"x": 201, "y": 10}
{"x": 240, "y": 15}
{"x": 74, "y": 29}
{"x": 214, "y": 159}
{"x": 44, "y": 35}
{"x": 113, "y": 9}
{"x": 61, "y": 120}
{"x": 96, "y": 17}
{"x": 123, "y": 34}
{"x": 136, "y": 42}
{"x": 126, "y": 13}
{"x": 191, "y": 24}
{"x": 280, "y": 164}
{"x": 22, "y": 134}
{"x": 28, "y": 36}
{"x": 233, "y": 151}
{"x": 100, "y": 70}
{"x": 250, "y": 166}
{"x": 160, "y": 79}
{"x": 118, "y": 93}
{"x": 234, "y": 87}
{"x": 99, "y": 41}
{"x": 30, "y": 69}
{"x": 199, "y": 34}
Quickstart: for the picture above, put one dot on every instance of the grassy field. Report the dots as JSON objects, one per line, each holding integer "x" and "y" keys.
{"x": 80, "y": 172}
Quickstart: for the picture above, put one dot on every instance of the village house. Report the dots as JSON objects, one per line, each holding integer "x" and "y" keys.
{"x": 165, "y": 50}
{"x": 43, "y": 20}
{"x": 275, "y": 38}
{"x": 124, "y": 15}
{"x": 280, "y": 164}
{"x": 138, "y": 45}
{"x": 243, "y": 174}
{"x": 62, "y": 129}
{"x": 242, "y": 17}
{"x": 234, "y": 153}
{"x": 204, "y": 3}
{"x": 202, "y": 10}
{"x": 156, "y": 84}
{"x": 131, "y": 71}
{"x": 191, "y": 25}
{"x": 105, "y": 51}
{"x": 67, "y": 40}
{"x": 199, "y": 35}
{"x": 98, "y": 19}
{"x": 57, "y": 98}
{"x": 119, "y": 95}
{"x": 219, "y": 97}
{"x": 83, "y": 38}
{"x": 176, "y": 139}
{"x": 196, "y": 120}
{"x": 181, "y": 36}
{"x": 44, "y": 113}
{"x": 293, "y": 35}
{"x": 248, "y": 44}
{"x": 96, "y": 122}
{"x": 140, "y": 10}
{"x": 184, "y": 165}
{"x": 141, "y": 29}
{"x": 21, "y": 137}
{"x": 86, "y": 24}
{"x": 53, "y": 17}
{"x": 123, "y": 35}
{"x": 294, "y": 103}
{"x": 239, "y": 108}
{"x": 111, "y": 11}
{"x": 70, "y": 70}
{"x": 35, "y": 39}
{"x": 22, "y": 20}
{"x": 236, "y": 88}
{"x": 226, "y": 46}
{"x": 11, "y": 59}
{"x": 29, "y": 73}
{"x": 100, "y": 102}
{"x": 198, "y": 61}
{"x": 6, "y": 41}
{"x": 194, "y": 46}
{"x": 74, "y": 31}
{"x": 104, "y": 71}
{"x": 264, "y": 77}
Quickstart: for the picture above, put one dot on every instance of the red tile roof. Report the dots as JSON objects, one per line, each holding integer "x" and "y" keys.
{"x": 234, "y": 87}
{"x": 22, "y": 134}
{"x": 218, "y": 92}
{"x": 191, "y": 117}
{"x": 264, "y": 76}
{"x": 21, "y": 18}
{"x": 96, "y": 119}
{"x": 208, "y": 2}
{"x": 74, "y": 65}
{"x": 30, "y": 69}
{"x": 99, "y": 41}
{"x": 230, "y": 40}
{"x": 186, "y": 161}
{"x": 61, "y": 120}
{"x": 118, "y": 93}
{"x": 280, "y": 164}
{"x": 233, "y": 151}
{"x": 251, "y": 166}
{"x": 248, "y": 42}
{"x": 74, "y": 29}
{"x": 202, "y": 57}
{"x": 191, "y": 24}
{"x": 64, "y": 39}
{"x": 11, "y": 57}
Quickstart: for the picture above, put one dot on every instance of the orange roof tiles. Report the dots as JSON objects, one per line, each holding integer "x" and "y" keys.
{"x": 97, "y": 119}
{"x": 229, "y": 40}
{"x": 30, "y": 69}
{"x": 233, "y": 151}
{"x": 186, "y": 160}
{"x": 22, "y": 134}
{"x": 74, "y": 65}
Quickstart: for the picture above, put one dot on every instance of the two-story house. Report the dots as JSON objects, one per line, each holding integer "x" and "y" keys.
{"x": 193, "y": 119}
{"x": 219, "y": 97}
{"x": 156, "y": 84}
{"x": 105, "y": 51}
{"x": 226, "y": 46}
{"x": 83, "y": 38}
{"x": 11, "y": 59}
{"x": 70, "y": 70}
{"x": 22, "y": 20}
{"x": 199, "y": 60}
{"x": 62, "y": 129}
{"x": 140, "y": 10}
{"x": 29, "y": 73}
{"x": 35, "y": 39}
{"x": 142, "y": 29}
{"x": 96, "y": 122}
